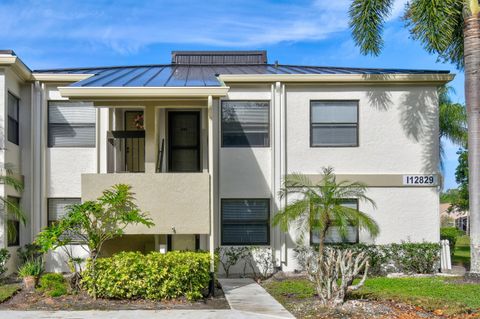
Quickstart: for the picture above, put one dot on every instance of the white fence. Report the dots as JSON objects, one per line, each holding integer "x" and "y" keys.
{"x": 445, "y": 257}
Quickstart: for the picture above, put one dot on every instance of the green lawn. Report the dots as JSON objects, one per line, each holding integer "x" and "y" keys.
{"x": 6, "y": 291}
{"x": 430, "y": 293}
{"x": 461, "y": 253}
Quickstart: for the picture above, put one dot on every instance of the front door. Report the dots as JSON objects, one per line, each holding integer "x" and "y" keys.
{"x": 184, "y": 141}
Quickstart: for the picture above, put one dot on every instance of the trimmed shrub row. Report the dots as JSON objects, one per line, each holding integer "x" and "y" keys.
{"x": 411, "y": 258}
{"x": 152, "y": 276}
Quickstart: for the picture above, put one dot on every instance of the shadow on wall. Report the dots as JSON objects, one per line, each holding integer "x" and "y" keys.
{"x": 417, "y": 118}
{"x": 420, "y": 122}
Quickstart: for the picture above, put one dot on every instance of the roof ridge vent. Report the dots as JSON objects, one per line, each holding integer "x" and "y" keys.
{"x": 219, "y": 57}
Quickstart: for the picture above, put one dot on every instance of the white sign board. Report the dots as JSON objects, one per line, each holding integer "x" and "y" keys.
{"x": 420, "y": 180}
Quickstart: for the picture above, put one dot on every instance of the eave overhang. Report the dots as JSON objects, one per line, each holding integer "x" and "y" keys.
{"x": 60, "y": 77}
{"x": 16, "y": 65}
{"x": 339, "y": 78}
{"x": 106, "y": 93}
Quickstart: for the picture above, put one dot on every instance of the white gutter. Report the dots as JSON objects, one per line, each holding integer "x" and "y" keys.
{"x": 60, "y": 77}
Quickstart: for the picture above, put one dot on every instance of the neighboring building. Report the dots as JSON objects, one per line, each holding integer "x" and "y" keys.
{"x": 206, "y": 140}
{"x": 454, "y": 218}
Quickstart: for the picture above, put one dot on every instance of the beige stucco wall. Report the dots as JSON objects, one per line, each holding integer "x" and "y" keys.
{"x": 176, "y": 202}
{"x": 398, "y": 130}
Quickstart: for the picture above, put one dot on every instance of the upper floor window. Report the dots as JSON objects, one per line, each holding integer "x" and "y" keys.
{"x": 333, "y": 123}
{"x": 245, "y": 221}
{"x": 333, "y": 235}
{"x": 71, "y": 124}
{"x": 245, "y": 123}
{"x": 13, "y": 115}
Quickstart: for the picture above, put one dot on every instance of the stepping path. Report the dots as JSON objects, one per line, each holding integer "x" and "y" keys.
{"x": 245, "y": 295}
{"x": 247, "y": 300}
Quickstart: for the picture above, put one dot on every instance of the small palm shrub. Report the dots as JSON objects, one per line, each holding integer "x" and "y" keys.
{"x": 53, "y": 285}
{"x": 32, "y": 268}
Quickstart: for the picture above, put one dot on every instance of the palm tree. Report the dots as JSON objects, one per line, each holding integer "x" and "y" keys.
{"x": 453, "y": 121}
{"x": 11, "y": 209}
{"x": 318, "y": 206}
{"x": 450, "y": 29}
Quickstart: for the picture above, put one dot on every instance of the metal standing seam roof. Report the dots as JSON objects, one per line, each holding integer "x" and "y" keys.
{"x": 203, "y": 75}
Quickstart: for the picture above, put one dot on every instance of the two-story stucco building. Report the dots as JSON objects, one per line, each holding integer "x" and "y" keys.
{"x": 206, "y": 139}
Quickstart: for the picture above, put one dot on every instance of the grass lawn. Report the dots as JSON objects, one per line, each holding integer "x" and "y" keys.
{"x": 432, "y": 293}
{"x": 6, "y": 291}
{"x": 461, "y": 253}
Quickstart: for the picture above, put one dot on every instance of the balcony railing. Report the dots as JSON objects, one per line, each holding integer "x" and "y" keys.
{"x": 126, "y": 151}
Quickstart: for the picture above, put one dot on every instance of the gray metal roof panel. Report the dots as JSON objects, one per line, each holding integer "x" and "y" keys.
{"x": 204, "y": 75}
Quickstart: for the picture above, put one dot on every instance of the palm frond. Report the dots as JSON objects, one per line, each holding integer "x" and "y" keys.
{"x": 438, "y": 25}
{"x": 367, "y": 19}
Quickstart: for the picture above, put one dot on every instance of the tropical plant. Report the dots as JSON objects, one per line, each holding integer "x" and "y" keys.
{"x": 452, "y": 121}
{"x": 11, "y": 208}
{"x": 450, "y": 29}
{"x": 92, "y": 223}
{"x": 318, "y": 206}
{"x": 29, "y": 252}
{"x": 4, "y": 257}
{"x": 32, "y": 268}
{"x": 461, "y": 201}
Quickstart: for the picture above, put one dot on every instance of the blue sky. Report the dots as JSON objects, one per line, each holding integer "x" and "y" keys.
{"x": 49, "y": 34}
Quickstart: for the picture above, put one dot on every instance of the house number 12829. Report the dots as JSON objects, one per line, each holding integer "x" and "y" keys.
{"x": 419, "y": 180}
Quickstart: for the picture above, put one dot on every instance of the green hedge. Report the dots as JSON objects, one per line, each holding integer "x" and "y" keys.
{"x": 418, "y": 258}
{"x": 153, "y": 276}
{"x": 450, "y": 234}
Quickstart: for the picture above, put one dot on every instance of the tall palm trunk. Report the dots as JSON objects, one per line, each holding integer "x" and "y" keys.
{"x": 472, "y": 98}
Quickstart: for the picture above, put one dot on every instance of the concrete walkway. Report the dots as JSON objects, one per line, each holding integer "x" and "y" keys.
{"x": 245, "y": 295}
{"x": 247, "y": 299}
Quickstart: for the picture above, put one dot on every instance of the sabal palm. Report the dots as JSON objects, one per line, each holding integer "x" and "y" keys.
{"x": 10, "y": 208}
{"x": 450, "y": 29}
{"x": 317, "y": 206}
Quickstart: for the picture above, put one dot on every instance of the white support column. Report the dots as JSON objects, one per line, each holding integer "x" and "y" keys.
{"x": 103, "y": 122}
{"x": 211, "y": 245}
{"x": 150, "y": 122}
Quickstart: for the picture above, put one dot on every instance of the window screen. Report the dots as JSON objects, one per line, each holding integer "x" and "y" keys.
{"x": 333, "y": 235}
{"x": 13, "y": 224}
{"x": 245, "y": 123}
{"x": 334, "y": 123}
{"x": 58, "y": 207}
{"x": 245, "y": 221}
{"x": 71, "y": 124}
{"x": 13, "y": 114}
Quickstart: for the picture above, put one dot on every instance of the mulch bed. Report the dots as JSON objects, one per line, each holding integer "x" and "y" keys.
{"x": 34, "y": 300}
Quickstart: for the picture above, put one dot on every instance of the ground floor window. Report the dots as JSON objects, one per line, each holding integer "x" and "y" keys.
{"x": 333, "y": 235}
{"x": 58, "y": 208}
{"x": 245, "y": 221}
{"x": 13, "y": 224}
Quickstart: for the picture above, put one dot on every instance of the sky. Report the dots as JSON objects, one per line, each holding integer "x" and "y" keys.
{"x": 58, "y": 34}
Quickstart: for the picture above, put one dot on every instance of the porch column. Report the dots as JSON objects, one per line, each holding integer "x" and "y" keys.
{"x": 210, "y": 172}
{"x": 150, "y": 124}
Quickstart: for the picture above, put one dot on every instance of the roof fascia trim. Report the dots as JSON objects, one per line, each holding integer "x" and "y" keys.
{"x": 142, "y": 92}
{"x": 339, "y": 78}
{"x": 60, "y": 77}
{"x": 17, "y": 66}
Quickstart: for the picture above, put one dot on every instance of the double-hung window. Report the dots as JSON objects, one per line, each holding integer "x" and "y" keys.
{"x": 13, "y": 115}
{"x": 245, "y": 222}
{"x": 13, "y": 224}
{"x": 71, "y": 124}
{"x": 333, "y": 236}
{"x": 333, "y": 123}
{"x": 245, "y": 123}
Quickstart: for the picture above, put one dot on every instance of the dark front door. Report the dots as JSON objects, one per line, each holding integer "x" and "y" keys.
{"x": 184, "y": 141}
